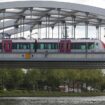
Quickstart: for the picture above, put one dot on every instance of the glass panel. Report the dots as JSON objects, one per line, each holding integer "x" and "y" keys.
{"x": 49, "y": 46}
{"x": 28, "y": 46}
{"x": 55, "y": 46}
{"x": 90, "y": 45}
{"x": 13, "y": 46}
{"x": 24, "y": 46}
{"x": 45, "y": 45}
{"x": 52, "y": 46}
{"x": 83, "y": 47}
{"x": 21, "y": 46}
{"x": 32, "y": 46}
{"x": 41, "y": 46}
{"x": 17, "y": 46}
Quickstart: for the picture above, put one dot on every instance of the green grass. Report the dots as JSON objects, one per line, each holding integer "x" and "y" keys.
{"x": 25, "y": 93}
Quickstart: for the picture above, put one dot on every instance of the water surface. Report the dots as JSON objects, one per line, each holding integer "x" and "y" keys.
{"x": 52, "y": 100}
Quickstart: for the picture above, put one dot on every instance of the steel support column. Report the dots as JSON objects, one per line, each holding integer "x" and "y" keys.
{"x": 58, "y": 9}
{"x": 86, "y": 29}
{"x": 3, "y": 22}
{"x": 97, "y": 32}
{"x": 52, "y": 30}
{"x": 74, "y": 31}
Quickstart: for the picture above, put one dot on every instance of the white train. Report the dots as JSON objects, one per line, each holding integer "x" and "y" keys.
{"x": 51, "y": 45}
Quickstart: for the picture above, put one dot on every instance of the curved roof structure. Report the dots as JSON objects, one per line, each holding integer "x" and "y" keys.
{"x": 33, "y": 14}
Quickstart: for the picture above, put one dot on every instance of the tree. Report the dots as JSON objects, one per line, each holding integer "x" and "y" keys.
{"x": 4, "y": 76}
{"x": 16, "y": 77}
{"x": 32, "y": 76}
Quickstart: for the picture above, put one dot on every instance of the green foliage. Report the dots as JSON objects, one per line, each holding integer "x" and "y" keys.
{"x": 16, "y": 77}
{"x": 32, "y": 77}
{"x": 35, "y": 79}
{"x": 11, "y": 78}
{"x": 25, "y": 93}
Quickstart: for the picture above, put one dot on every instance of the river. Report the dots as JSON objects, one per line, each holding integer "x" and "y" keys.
{"x": 100, "y": 100}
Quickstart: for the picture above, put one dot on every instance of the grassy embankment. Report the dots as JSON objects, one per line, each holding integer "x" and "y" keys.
{"x": 24, "y": 93}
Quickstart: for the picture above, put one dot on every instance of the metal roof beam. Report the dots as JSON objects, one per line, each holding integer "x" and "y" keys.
{"x": 30, "y": 22}
{"x": 13, "y": 31}
{"x": 43, "y": 14}
{"x": 20, "y": 15}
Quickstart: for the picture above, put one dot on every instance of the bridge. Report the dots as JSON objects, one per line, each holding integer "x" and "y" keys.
{"x": 90, "y": 61}
{"x": 26, "y": 22}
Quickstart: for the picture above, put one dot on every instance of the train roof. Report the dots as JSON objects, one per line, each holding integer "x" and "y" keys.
{"x": 51, "y": 40}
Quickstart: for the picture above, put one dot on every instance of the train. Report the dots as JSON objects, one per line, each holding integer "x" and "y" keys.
{"x": 51, "y": 45}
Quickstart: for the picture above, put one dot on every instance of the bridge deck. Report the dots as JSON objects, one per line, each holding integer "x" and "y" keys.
{"x": 53, "y": 65}
{"x": 53, "y": 60}
{"x": 52, "y": 57}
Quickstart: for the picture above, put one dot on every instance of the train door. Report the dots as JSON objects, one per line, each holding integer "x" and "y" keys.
{"x": 65, "y": 46}
{"x": 7, "y": 46}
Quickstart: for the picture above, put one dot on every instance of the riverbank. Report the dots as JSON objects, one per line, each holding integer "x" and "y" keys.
{"x": 24, "y": 93}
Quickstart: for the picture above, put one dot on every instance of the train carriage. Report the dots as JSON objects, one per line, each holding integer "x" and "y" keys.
{"x": 51, "y": 45}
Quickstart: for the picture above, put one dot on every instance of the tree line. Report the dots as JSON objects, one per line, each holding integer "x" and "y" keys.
{"x": 50, "y": 80}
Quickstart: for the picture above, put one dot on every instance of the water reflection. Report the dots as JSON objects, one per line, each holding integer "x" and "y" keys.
{"x": 52, "y": 100}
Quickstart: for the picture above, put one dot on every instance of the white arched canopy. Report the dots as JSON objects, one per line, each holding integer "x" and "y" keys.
{"x": 33, "y": 14}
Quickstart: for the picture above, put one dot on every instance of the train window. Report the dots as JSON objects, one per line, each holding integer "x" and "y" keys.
{"x": 83, "y": 47}
{"x": 32, "y": 46}
{"x": 41, "y": 46}
{"x": 45, "y": 45}
{"x": 28, "y": 46}
{"x": 14, "y": 46}
{"x": 49, "y": 46}
{"x": 77, "y": 45}
{"x": 38, "y": 45}
{"x": 52, "y": 46}
{"x": 17, "y": 46}
{"x": 55, "y": 45}
{"x": 96, "y": 44}
{"x": 90, "y": 45}
{"x": 21, "y": 46}
{"x": 25, "y": 46}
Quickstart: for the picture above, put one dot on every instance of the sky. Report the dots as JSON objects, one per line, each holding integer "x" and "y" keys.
{"x": 96, "y": 3}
